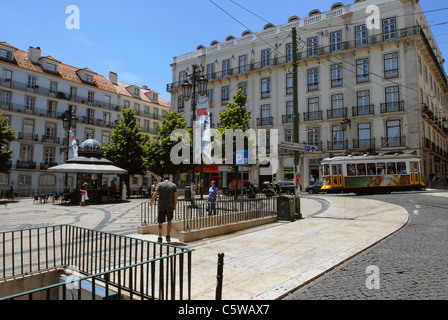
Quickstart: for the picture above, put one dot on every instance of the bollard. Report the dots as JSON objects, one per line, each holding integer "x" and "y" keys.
{"x": 219, "y": 276}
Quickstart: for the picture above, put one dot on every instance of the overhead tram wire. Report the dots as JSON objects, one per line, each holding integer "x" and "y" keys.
{"x": 379, "y": 76}
{"x": 270, "y": 45}
{"x": 319, "y": 28}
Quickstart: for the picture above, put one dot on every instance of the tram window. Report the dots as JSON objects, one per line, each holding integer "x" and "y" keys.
{"x": 351, "y": 170}
{"x": 401, "y": 166}
{"x": 336, "y": 170}
{"x": 414, "y": 166}
{"x": 371, "y": 169}
{"x": 326, "y": 170}
{"x": 361, "y": 169}
{"x": 391, "y": 168}
{"x": 380, "y": 167}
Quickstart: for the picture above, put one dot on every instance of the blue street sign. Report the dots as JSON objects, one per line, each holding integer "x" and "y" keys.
{"x": 242, "y": 157}
{"x": 307, "y": 148}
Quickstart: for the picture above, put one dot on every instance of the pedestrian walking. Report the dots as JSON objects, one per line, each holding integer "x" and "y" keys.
{"x": 167, "y": 192}
{"x": 123, "y": 191}
{"x": 212, "y": 193}
{"x": 432, "y": 177}
{"x": 84, "y": 197}
{"x": 153, "y": 187}
{"x": 113, "y": 190}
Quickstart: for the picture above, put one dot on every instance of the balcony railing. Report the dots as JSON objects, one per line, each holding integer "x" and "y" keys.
{"x": 312, "y": 116}
{"x": 265, "y": 121}
{"x": 287, "y": 118}
{"x": 28, "y": 136}
{"x": 317, "y": 52}
{"x": 363, "y": 143}
{"x": 55, "y": 94}
{"x": 55, "y": 140}
{"x": 26, "y": 165}
{"x": 393, "y": 142}
{"x": 337, "y": 145}
{"x": 363, "y": 110}
{"x": 337, "y": 113}
{"x": 389, "y": 107}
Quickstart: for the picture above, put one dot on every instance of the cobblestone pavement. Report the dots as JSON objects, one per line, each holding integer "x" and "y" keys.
{"x": 410, "y": 264}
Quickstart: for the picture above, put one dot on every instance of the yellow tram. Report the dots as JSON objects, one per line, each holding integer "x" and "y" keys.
{"x": 371, "y": 174}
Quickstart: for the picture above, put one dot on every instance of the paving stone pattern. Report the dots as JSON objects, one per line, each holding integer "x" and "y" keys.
{"x": 412, "y": 263}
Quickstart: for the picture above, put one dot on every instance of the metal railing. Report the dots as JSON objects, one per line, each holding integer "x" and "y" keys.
{"x": 204, "y": 214}
{"x": 127, "y": 267}
{"x": 316, "y": 52}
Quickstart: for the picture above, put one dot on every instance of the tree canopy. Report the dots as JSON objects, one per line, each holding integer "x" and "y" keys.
{"x": 6, "y": 135}
{"x": 125, "y": 148}
{"x": 158, "y": 151}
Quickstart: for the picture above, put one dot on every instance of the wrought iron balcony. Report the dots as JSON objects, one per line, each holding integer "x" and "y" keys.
{"x": 393, "y": 142}
{"x": 287, "y": 118}
{"x": 312, "y": 116}
{"x": 358, "y": 111}
{"x": 337, "y": 145}
{"x": 26, "y": 164}
{"x": 363, "y": 143}
{"x": 390, "y": 107}
{"x": 337, "y": 113}
{"x": 264, "y": 121}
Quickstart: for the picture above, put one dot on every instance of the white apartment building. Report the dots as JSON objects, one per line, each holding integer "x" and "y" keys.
{"x": 360, "y": 89}
{"x": 36, "y": 90}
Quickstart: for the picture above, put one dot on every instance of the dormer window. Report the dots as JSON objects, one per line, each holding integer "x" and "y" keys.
{"x": 136, "y": 91}
{"x": 49, "y": 64}
{"x": 51, "y": 67}
{"x": 155, "y": 97}
{"x": 6, "y": 54}
{"x": 88, "y": 78}
{"x": 86, "y": 75}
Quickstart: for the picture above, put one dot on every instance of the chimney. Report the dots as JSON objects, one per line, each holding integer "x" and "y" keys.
{"x": 113, "y": 77}
{"x": 34, "y": 54}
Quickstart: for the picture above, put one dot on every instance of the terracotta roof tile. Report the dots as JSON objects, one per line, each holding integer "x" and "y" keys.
{"x": 145, "y": 94}
{"x": 65, "y": 71}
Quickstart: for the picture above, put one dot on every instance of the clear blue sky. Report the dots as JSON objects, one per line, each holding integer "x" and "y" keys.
{"x": 138, "y": 39}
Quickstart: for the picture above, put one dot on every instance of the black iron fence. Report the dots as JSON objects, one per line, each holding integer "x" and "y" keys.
{"x": 202, "y": 213}
{"x": 124, "y": 267}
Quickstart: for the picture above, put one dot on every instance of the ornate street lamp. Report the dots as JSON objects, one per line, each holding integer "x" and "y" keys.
{"x": 69, "y": 122}
{"x": 199, "y": 81}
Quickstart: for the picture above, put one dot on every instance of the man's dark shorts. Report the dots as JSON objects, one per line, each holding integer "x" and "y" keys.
{"x": 165, "y": 214}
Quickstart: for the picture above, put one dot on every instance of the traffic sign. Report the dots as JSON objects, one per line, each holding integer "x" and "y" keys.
{"x": 292, "y": 146}
{"x": 242, "y": 157}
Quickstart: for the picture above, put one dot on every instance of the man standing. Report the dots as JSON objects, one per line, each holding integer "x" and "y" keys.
{"x": 166, "y": 206}
{"x": 212, "y": 193}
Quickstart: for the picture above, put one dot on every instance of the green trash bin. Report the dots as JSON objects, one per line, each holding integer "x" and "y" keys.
{"x": 286, "y": 208}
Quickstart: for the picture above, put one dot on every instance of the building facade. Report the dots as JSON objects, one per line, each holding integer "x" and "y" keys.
{"x": 36, "y": 91}
{"x": 363, "y": 87}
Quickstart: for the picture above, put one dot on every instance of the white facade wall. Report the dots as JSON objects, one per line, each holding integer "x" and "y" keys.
{"x": 96, "y": 118}
{"x": 409, "y": 46}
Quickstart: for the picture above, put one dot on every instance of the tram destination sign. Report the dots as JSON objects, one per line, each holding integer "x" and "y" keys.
{"x": 292, "y": 146}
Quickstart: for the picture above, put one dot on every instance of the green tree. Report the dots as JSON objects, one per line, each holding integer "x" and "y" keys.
{"x": 6, "y": 135}
{"x": 125, "y": 148}
{"x": 235, "y": 117}
{"x": 158, "y": 151}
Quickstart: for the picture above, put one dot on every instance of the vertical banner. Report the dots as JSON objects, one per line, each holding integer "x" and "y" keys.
{"x": 72, "y": 146}
{"x": 203, "y": 134}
